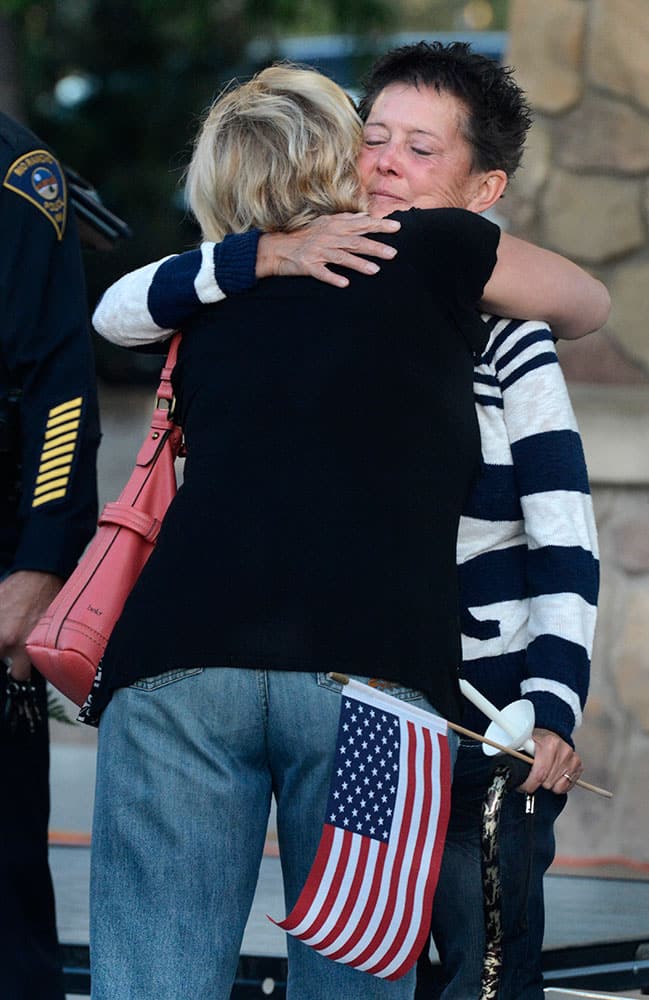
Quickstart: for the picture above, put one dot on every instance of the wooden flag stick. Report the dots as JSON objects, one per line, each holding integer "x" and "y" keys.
{"x": 343, "y": 679}
{"x": 523, "y": 756}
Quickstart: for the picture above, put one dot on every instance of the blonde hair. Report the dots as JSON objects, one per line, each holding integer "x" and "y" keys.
{"x": 274, "y": 153}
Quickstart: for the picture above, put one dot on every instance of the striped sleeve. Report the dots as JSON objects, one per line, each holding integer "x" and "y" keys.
{"x": 148, "y": 304}
{"x": 561, "y": 564}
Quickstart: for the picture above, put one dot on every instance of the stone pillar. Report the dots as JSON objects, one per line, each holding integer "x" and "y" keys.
{"x": 583, "y": 190}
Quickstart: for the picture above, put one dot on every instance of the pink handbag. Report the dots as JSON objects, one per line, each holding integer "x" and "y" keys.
{"x": 69, "y": 640}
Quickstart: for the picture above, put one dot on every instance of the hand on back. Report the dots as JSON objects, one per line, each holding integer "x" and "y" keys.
{"x": 330, "y": 239}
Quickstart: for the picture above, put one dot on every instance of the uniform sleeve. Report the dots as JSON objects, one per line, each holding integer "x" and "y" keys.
{"x": 47, "y": 353}
{"x": 147, "y": 305}
{"x": 562, "y": 569}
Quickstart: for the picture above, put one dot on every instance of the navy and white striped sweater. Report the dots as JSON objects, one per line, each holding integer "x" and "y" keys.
{"x": 527, "y": 545}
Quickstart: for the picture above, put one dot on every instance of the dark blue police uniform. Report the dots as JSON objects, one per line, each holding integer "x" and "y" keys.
{"x": 49, "y": 432}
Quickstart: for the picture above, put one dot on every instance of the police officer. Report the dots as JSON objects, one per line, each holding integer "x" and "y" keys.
{"x": 49, "y": 432}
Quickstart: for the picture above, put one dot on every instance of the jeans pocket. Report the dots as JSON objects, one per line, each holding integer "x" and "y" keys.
{"x": 168, "y": 677}
{"x": 393, "y": 688}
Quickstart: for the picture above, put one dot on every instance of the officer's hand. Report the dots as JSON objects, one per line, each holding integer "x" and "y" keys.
{"x": 24, "y": 597}
{"x": 329, "y": 239}
{"x": 553, "y": 761}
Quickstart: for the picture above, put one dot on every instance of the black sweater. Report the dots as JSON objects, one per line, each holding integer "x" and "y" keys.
{"x": 332, "y": 439}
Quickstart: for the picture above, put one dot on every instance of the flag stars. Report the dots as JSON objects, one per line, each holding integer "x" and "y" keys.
{"x": 360, "y": 798}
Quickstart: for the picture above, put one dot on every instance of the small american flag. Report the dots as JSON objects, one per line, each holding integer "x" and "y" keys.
{"x": 368, "y": 898}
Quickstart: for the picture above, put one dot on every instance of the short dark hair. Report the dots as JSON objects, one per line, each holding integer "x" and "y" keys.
{"x": 498, "y": 114}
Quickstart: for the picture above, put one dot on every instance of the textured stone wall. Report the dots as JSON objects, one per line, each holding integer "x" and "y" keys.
{"x": 583, "y": 190}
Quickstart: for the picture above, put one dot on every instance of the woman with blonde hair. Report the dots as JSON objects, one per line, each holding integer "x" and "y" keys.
{"x": 315, "y": 531}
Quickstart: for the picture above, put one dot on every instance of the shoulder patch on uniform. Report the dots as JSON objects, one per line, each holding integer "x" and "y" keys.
{"x": 38, "y": 177}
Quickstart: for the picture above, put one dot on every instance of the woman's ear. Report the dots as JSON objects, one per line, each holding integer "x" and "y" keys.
{"x": 489, "y": 187}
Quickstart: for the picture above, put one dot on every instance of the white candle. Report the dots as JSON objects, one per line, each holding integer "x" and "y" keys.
{"x": 500, "y": 718}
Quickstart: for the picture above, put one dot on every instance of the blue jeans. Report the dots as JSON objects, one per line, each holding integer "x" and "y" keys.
{"x": 526, "y": 850}
{"x": 187, "y": 763}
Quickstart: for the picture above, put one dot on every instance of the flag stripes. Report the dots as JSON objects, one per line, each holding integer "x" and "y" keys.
{"x": 368, "y": 898}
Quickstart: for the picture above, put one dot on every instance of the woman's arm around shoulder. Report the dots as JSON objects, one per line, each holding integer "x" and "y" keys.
{"x": 148, "y": 304}
{"x": 531, "y": 283}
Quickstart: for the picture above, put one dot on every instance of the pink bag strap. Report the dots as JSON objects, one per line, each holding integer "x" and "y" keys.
{"x": 163, "y": 433}
{"x": 162, "y": 426}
